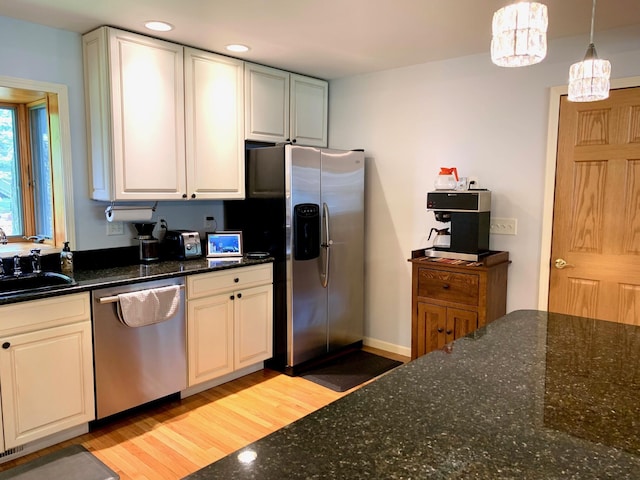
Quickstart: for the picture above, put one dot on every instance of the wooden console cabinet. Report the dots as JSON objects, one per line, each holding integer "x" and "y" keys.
{"x": 451, "y": 300}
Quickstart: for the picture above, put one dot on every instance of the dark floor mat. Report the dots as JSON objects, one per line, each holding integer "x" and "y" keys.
{"x": 70, "y": 463}
{"x": 347, "y": 371}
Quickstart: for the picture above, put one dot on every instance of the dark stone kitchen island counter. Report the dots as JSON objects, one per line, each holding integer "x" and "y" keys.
{"x": 530, "y": 396}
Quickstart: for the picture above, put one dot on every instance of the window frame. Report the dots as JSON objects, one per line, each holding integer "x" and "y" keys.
{"x": 60, "y": 153}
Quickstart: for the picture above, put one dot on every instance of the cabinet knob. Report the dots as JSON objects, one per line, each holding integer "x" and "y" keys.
{"x": 445, "y": 286}
{"x": 239, "y": 295}
{"x": 449, "y": 332}
{"x": 236, "y": 280}
{"x": 193, "y": 195}
{"x": 231, "y": 297}
{"x": 6, "y": 345}
{"x": 293, "y": 141}
{"x": 440, "y": 330}
{"x": 184, "y": 195}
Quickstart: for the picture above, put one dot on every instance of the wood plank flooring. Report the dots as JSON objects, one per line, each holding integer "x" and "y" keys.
{"x": 172, "y": 440}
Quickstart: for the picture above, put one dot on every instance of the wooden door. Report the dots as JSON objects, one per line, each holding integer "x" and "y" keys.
{"x": 460, "y": 323}
{"x": 429, "y": 329}
{"x": 596, "y": 222}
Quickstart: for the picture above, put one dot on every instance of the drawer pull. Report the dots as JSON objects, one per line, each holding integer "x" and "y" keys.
{"x": 445, "y": 286}
{"x": 236, "y": 280}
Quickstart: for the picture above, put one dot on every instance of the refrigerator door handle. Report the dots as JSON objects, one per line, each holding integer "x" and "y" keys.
{"x": 326, "y": 245}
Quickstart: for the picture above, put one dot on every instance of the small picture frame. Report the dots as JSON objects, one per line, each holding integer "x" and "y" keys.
{"x": 224, "y": 244}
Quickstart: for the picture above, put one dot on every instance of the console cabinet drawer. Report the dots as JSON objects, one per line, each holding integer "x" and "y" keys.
{"x": 448, "y": 286}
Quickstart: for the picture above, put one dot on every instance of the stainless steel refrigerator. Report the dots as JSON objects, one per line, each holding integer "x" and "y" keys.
{"x": 305, "y": 206}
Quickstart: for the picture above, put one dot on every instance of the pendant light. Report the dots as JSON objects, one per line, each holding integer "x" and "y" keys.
{"x": 519, "y": 34}
{"x": 589, "y": 79}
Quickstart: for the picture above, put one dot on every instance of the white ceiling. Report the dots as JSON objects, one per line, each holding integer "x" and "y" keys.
{"x": 323, "y": 38}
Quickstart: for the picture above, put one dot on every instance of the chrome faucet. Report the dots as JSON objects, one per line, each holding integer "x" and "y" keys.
{"x": 3, "y": 237}
{"x": 17, "y": 270}
{"x": 36, "y": 265}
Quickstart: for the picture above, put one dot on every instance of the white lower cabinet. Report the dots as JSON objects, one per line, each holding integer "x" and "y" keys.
{"x": 229, "y": 321}
{"x": 46, "y": 368}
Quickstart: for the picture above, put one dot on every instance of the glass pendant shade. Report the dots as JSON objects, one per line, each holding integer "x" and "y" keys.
{"x": 589, "y": 79}
{"x": 519, "y": 34}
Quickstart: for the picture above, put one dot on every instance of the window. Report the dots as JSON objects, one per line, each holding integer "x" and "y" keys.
{"x": 26, "y": 194}
{"x": 36, "y": 193}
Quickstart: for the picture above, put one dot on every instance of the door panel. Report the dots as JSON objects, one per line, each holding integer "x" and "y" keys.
{"x": 343, "y": 193}
{"x": 307, "y": 327}
{"x": 596, "y": 226}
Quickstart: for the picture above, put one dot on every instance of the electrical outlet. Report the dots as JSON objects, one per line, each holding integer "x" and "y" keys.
{"x": 503, "y": 226}
{"x": 474, "y": 183}
{"x": 208, "y": 222}
{"x": 115, "y": 228}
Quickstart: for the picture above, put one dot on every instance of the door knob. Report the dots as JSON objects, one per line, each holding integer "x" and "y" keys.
{"x": 561, "y": 263}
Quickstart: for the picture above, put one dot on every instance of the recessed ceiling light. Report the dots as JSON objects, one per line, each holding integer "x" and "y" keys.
{"x": 237, "y": 47}
{"x": 158, "y": 26}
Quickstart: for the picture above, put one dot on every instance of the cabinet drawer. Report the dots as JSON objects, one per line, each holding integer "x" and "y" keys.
{"x": 50, "y": 312}
{"x": 227, "y": 280}
{"x": 448, "y": 286}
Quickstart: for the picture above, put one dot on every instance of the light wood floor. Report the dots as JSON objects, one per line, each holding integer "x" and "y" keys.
{"x": 177, "y": 438}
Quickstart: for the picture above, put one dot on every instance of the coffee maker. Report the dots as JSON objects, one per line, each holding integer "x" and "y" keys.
{"x": 469, "y": 212}
{"x": 149, "y": 245}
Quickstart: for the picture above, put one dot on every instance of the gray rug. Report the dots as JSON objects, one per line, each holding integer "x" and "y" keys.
{"x": 345, "y": 372}
{"x": 70, "y": 463}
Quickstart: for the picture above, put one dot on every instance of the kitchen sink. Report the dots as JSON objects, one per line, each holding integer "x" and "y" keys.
{"x": 34, "y": 282}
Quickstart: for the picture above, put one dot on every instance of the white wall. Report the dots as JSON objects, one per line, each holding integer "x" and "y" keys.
{"x": 487, "y": 121}
{"x": 46, "y": 54}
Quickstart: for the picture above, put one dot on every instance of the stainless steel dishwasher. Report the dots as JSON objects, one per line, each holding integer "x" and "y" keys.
{"x": 135, "y": 365}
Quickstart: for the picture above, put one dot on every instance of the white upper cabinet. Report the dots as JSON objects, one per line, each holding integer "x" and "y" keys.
{"x": 214, "y": 125}
{"x": 280, "y": 107}
{"x": 309, "y": 103}
{"x": 134, "y": 88}
{"x": 137, "y": 91}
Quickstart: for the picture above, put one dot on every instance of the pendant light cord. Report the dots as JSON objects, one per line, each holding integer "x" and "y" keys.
{"x": 593, "y": 16}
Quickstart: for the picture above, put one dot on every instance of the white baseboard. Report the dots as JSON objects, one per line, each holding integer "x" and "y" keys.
{"x": 386, "y": 346}
{"x": 201, "y": 387}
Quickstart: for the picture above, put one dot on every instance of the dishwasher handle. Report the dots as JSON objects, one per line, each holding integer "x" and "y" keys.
{"x": 114, "y": 298}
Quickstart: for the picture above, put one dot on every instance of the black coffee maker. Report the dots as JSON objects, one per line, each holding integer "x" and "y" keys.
{"x": 149, "y": 245}
{"x": 469, "y": 212}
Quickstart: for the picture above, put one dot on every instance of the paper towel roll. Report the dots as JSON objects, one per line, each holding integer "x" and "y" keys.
{"x": 128, "y": 214}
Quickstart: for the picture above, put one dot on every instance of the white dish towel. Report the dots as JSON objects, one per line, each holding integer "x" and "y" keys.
{"x": 146, "y": 307}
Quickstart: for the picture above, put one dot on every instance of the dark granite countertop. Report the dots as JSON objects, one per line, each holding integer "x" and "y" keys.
{"x": 94, "y": 278}
{"x": 530, "y": 396}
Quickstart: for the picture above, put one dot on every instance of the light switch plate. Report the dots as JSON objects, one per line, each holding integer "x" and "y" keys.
{"x": 503, "y": 226}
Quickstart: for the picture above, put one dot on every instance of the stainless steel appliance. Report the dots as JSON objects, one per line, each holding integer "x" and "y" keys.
{"x": 305, "y": 207}
{"x": 135, "y": 365}
{"x": 469, "y": 212}
{"x": 182, "y": 244}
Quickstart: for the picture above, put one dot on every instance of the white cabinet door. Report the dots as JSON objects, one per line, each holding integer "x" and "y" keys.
{"x": 266, "y": 104}
{"x": 210, "y": 337}
{"x": 253, "y": 317}
{"x": 214, "y": 120}
{"x": 134, "y": 87}
{"x": 47, "y": 382}
{"x": 148, "y": 117}
{"x": 309, "y": 111}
